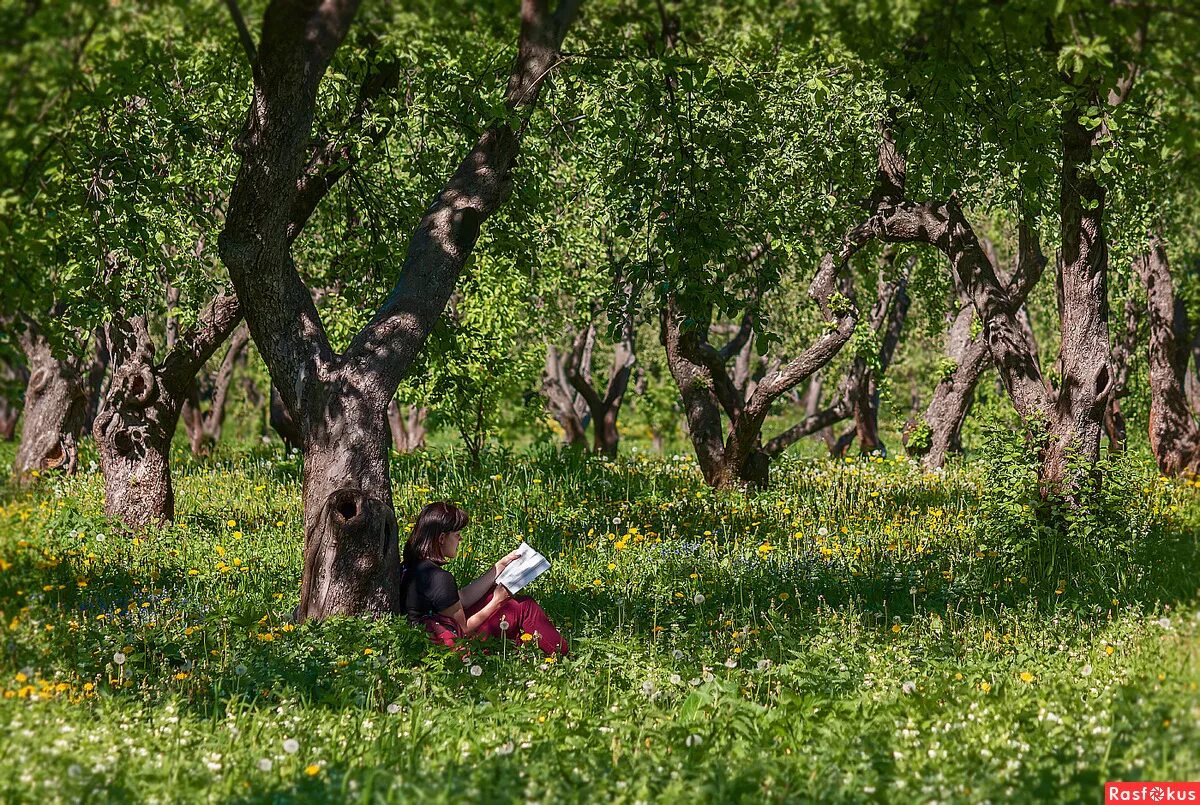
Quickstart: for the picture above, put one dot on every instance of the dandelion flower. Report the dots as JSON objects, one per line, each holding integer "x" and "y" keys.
{"x": 1026, "y": 677}
{"x": 312, "y": 769}
{"x": 985, "y": 686}
{"x": 526, "y": 637}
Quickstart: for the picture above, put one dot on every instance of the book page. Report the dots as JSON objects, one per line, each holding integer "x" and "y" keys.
{"x": 524, "y": 569}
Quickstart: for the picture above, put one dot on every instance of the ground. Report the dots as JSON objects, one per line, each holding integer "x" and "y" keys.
{"x": 863, "y": 630}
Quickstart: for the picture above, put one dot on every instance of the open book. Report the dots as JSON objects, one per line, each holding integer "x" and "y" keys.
{"x": 524, "y": 569}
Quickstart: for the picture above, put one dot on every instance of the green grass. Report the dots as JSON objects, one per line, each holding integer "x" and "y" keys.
{"x": 861, "y": 631}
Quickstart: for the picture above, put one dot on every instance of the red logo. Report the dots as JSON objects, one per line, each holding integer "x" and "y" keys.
{"x": 1151, "y": 792}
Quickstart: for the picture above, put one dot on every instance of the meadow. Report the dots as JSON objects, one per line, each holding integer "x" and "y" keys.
{"x": 862, "y": 631}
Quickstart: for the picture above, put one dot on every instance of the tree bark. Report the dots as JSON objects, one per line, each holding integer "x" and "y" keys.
{"x": 141, "y": 407}
{"x": 1174, "y": 435}
{"x": 54, "y": 409}
{"x": 1087, "y": 377}
{"x": 339, "y": 402}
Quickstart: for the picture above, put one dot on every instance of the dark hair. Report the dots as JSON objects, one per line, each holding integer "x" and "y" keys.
{"x": 433, "y": 521}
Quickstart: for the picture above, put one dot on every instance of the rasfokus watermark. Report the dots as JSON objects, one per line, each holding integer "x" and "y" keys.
{"x": 1151, "y": 792}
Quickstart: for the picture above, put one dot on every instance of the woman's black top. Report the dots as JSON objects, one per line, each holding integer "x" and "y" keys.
{"x": 428, "y": 590}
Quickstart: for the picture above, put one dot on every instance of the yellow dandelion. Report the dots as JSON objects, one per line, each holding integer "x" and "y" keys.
{"x": 526, "y": 637}
{"x": 1109, "y": 650}
{"x": 985, "y": 686}
{"x": 1026, "y": 677}
{"x": 312, "y": 770}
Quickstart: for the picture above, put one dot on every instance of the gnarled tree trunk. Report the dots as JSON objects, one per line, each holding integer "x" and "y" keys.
{"x": 1174, "y": 435}
{"x": 53, "y": 414}
{"x": 857, "y": 395}
{"x": 738, "y": 457}
{"x": 140, "y": 410}
{"x": 971, "y": 356}
{"x": 1077, "y": 417}
{"x": 339, "y": 402}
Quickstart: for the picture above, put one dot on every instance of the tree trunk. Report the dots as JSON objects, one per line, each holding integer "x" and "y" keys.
{"x": 339, "y": 401}
{"x": 970, "y": 355}
{"x": 1174, "y": 435}
{"x": 351, "y": 551}
{"x": 407, "y": 426}
{"x": 1077, "y": 417}
{"x": 54, "y": 410}
{"x": 565, "y": 403}
{"x": 141, "y": 407}
{"x": 939, "y": 432}
{"x": 707, "y": 389}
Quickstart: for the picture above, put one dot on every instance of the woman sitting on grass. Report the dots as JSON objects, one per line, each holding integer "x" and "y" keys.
{"x": 482, "y": 608}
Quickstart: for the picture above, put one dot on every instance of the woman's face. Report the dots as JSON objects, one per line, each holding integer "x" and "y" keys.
{"x": 448, "y": 543}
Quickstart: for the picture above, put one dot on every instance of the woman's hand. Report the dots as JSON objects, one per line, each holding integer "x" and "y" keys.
{"x": 500, "y": 594}
{"x": 506, "y": 561}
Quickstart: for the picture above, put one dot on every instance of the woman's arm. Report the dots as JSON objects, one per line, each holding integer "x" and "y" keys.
{"x": 468, "y": 626}
{"x": 479, "y": 588}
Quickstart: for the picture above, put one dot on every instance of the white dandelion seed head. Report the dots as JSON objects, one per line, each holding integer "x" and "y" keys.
{"x": 693, "y": 740}
{"x": 677, "y": 654}
{"x": 119, "y": 658}
{"x": 240, "y": 670}
{"x": 393, "y": 708}
{"x": 648, "y": 687}
{"x": 291, "y": 746}
{"x": 909, "y": 686}
{"x": 731, "y": 663}
{"x": 1085, "y": 670}
{"x": 1164, "y": 623}
{"x": 764, "y": 665}
{"x": 476, "y": 670}
{"x": 675, "y": 679}
{"x": 505, "y": 748}
{"x": 265, "y": 764}
{"x": 698, "y": 598}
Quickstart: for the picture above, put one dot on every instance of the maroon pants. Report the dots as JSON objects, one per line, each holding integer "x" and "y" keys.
{"x": 521, "y": 614}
